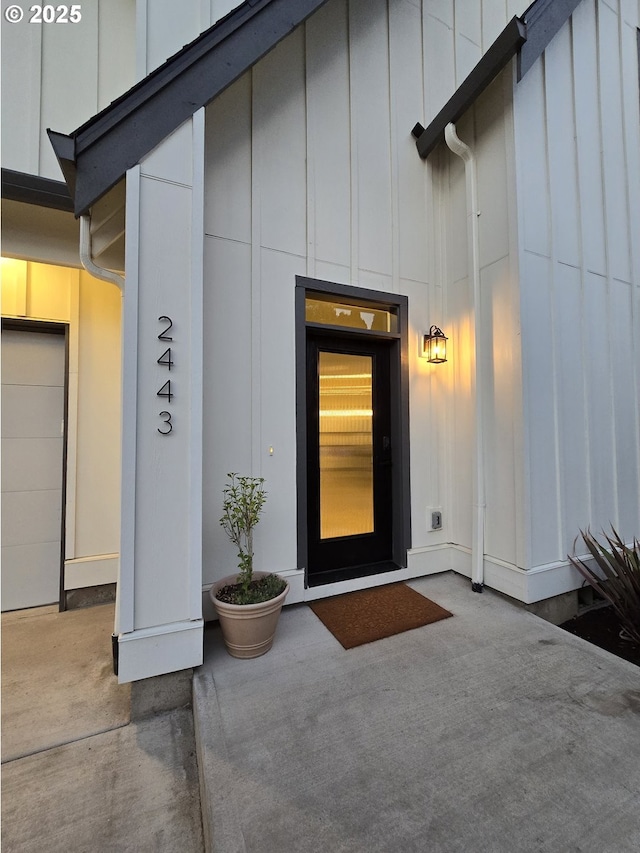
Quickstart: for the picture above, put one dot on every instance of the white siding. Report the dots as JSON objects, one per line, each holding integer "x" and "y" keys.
{"x": 578, "y": 144}
{"x": 311, "y": 170}
{"x": 58, "y": 76}
{"x": 487, "y": 129}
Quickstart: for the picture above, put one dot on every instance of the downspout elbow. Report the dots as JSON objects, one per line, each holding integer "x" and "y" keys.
{"x": 87, "y": 261}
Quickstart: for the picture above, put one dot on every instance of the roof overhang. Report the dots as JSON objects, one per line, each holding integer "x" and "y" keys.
{"x": 32, "y": 189}
{"x": 97, "y": 155}
{"x": 494, "y": 60}
{"x": 526, "y": 36}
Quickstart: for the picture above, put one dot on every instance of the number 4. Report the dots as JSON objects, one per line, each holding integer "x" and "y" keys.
{"x": 165, "y": 358}
{"x": 165, "y": 391}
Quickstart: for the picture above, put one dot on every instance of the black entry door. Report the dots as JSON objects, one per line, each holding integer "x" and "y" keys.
{"x": 349, "y": 456}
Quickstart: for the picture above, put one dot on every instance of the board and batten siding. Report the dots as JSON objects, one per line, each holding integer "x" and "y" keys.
{"x": 488, "y": 129}
{"x": 578, "y": 181}
{"x": 311, "y": 170}
{"x": 59, "y": 75}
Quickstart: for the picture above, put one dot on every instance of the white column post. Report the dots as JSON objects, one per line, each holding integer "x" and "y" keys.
{"x": 159, "y": 622}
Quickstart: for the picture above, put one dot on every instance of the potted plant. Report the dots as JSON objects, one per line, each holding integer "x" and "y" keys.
{"x": 248, "y": 604}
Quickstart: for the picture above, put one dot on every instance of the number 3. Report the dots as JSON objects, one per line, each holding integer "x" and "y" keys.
{"x": 167, "y": 422}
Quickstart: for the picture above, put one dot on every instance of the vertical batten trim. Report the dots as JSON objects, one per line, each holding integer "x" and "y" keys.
{"x": 35, "y": 139}
{"x": 205, "y": 15}
{"x": 508, "y": 84}
{"x": 623, "y": 139}
{"x": 129, "y": 345}
{"x": 393, "y": 168}
{"x": 353, "y": 160}
{"x": 72, "y": 417}
{"x": 551, "y": 302}
{"x": 196, "y": 365}
{"x": 141, "y": 40}
{"x": 310, "y": 166}
{"x": 255, "y": 394}
{"x": 631, "y": 102}
{"x": 439, "y": 271}
{"x": 519, "y": 106}
{"x": 607, "y": 253}
{"x": 581, "y": 321}
{"x": 582, "y": 214}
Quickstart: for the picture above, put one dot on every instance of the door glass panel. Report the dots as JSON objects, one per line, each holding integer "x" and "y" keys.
{"x": 369, "y": 317}
{"x": 346, "y": 444}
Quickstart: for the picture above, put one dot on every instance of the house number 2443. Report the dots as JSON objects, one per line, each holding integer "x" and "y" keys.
{"x": 166, "y": 360}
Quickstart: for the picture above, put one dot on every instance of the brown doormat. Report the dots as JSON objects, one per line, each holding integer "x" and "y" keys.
{"x": 371, "y": 614}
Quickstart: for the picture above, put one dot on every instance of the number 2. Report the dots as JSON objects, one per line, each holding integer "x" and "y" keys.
{"x": 163, "y": 336}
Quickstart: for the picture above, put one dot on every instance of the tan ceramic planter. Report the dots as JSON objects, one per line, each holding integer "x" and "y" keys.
{"x": 248, "y": 629}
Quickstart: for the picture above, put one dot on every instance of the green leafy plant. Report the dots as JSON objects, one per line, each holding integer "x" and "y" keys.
{"x": 243, "y": 501}
{"x": 619, "y": 578}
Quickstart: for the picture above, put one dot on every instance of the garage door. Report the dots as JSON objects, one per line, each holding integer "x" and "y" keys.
{"x": 33, "y": 393}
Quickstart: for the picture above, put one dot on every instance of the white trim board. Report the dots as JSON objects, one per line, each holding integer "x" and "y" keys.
{"x": 529, "y": 586}
{"x": 91, "y": 571}
{"x": 159, "y": 650}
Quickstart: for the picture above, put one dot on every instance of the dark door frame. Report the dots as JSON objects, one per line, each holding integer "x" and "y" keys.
{"x": 330, "y": 559}
{"x": 400, "y": 483}
{"x": 51, "y": 327}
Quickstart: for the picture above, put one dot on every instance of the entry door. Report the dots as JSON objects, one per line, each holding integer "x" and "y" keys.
{"x": 33, "y": 388}
{"x": 349, "y": 522}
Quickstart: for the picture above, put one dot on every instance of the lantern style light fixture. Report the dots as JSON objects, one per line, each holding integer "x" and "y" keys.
{"x": 434, "y": 346}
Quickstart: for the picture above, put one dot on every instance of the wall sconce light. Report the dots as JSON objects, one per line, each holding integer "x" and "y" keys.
{"x": 434, "y": 346}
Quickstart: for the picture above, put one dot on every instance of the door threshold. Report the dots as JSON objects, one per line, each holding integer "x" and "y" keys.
{"x": 349, "y": 573}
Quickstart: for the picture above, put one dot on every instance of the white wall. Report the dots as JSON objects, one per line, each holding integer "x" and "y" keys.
{"x": 578, "y": 173}
{"x": 312, "y": 170}
{"x": 58, "y": 76}
{"x": 92, "y": 309}
{"x": 164, "y": 27}
{"x": 487, "y": 129}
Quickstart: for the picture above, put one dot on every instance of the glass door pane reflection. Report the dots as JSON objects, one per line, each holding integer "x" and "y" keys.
{"x": 346, "y": 444}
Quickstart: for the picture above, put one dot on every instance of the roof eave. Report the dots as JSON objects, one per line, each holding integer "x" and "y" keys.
{"x": 494, "y": 60}
{"x": 97, "y": 155}
{"x": 527, "y": 36}
{"x": 33, "y": 189}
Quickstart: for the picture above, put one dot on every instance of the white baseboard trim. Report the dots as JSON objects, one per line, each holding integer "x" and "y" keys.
{"x": 159, "y": 650}
{"x": 91, "y": 571}
{"x": 529, "y": 586}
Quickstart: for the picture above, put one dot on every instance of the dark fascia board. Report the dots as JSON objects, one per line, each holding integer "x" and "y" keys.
{"x": 527, "y": 36}
{"x": 544, "y": 18}
{"x": 32, "y": 189}
{"x": 494, "y": 60}
{"x": 97, "y": 155}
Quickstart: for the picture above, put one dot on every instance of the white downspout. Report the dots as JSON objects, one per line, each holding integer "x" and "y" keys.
{"x": 118, "y": 280}
{"x": 477, "y": 556}
{"x": 87, "y": 260}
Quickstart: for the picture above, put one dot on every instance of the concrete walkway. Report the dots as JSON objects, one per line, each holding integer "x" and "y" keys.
{"x": 492, "y": 732}
{"x": 77, "y": 774}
